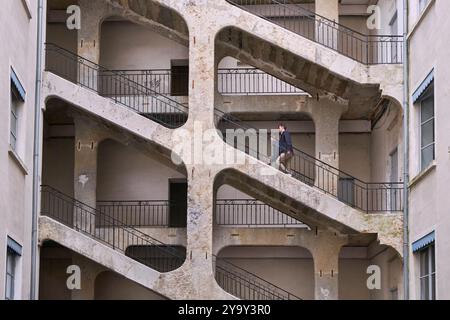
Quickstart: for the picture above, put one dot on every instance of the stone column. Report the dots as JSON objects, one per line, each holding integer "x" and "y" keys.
{"x": 89, "y": 273}
{"x": 200, "y": 173}
{"x": 85, "y": 172}
{"x": 326, "y": 115}
{"x": 325, "y": 251}
{"x": 327, "y": 32}
{"x": 92, "y": 15}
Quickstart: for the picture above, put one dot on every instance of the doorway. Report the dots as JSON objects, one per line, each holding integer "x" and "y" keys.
{"x": 178, "y": 189}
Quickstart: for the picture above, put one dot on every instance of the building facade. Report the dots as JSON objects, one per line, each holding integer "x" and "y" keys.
{"x": 158, "y": 160}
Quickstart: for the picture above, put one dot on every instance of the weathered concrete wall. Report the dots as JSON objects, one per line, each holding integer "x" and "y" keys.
{"x": 58, "y": 164}
{"x": 111, "y": 286}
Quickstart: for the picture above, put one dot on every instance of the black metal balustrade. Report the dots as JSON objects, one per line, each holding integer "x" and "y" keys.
{"x": 115, "y": 234}
{"x": 116, "y": 86}
{"x": 367, "y": 49}
{"x": 250, "y": 212}
{"x": 139, "y": 214}
{"x": 246, "y": 285}
{"x": 368, "y": 197}
{"x": 231, "y": 81}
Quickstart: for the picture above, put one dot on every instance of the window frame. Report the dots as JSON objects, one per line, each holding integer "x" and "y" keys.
{"x": 11, "y": 259}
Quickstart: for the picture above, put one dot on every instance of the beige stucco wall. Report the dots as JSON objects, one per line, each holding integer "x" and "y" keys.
{"x": 124, "y": 173}
{"x": 125, "y": 45}
{"x": 429, "y": 201}
{"x": 18, "y": 35}
{"x": 58, "y": 164}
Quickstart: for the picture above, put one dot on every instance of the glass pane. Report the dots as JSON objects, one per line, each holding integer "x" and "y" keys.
{"x": 424, "y": 289}
{"x": 427, "y": 133}
{"x": 433, "y": 287}
{"x": 424, "y": 263}
{"x": 10, "y": 263}
{"x": 9, "y": 288}
{"x": 427, "y": 109}
{"x": 427, "y": 156}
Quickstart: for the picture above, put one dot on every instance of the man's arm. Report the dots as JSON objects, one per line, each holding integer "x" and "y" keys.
{"x": 289, "y": 141}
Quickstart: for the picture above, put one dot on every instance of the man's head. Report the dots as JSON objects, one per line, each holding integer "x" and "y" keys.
{"x": 282, "y": 127}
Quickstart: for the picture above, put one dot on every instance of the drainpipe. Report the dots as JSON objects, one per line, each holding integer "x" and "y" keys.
{"x": 36, "y": 152}
{"x": 406, "y": 292}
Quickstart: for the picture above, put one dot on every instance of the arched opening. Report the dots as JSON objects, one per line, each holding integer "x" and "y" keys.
{"x": 372, "y": 272}
{"x": 289, "y": 270}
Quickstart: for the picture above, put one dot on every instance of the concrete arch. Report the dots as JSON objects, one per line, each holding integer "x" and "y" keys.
{"x": 291, "y": 268}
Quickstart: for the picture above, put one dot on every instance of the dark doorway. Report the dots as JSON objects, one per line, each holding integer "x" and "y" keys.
{"x": 178, "y": 203}
{"x": 180, "y": 78}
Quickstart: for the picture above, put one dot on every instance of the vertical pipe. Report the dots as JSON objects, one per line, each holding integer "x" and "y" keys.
{"x": 36, "y": 152}
{"x": 406, "y": 292}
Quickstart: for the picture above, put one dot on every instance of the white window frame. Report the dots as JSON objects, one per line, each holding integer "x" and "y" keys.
{"x": 422, "y": 123}
{"x": 14, "y": 117}
{"x": 431, "y": 275}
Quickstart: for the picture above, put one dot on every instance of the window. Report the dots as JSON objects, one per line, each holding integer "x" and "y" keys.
{"x": 422, "y": 5}
{"x": 427, "y": 130}
{"x": 14, "y": 252}
{"x": 17, "y": 99}
{"x": 180, "y": 78}
{"x": 427, "y": 273}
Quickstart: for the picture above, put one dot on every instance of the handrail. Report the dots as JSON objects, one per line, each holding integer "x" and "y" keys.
{"x": 84, "y": 218}
{"x": 250, "y": 212}
{"x": 369, "y": 197}
{"x": 365, "y": 48}
{"x": 116, "y": 86}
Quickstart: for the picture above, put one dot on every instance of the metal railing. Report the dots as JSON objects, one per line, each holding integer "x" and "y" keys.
{"x": 115, "y": 234}
{"x": 231, "y": 81}
{"x": 368, "y": 197}
{"x": 139, "y": 214}
{"x": 246, "y": 285}
{"x": 229, "y": 212}
{"x": 115, "y": 86}
{"x": 250, "y": 212}
{"x": 367, "y": 49}
{"x": 252, "y": 81}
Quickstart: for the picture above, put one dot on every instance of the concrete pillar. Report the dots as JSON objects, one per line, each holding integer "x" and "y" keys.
{"x": 326, "y": 32}
{"x": 326, "y": 115}
{"x": 85, "y": 172}
{"x": 325, "y": 251}
{"x": 92, "y": 15}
